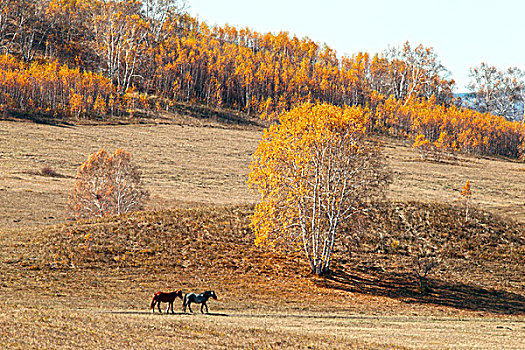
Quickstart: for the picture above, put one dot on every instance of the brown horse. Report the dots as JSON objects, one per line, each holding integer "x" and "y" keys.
{"x": 166, "y": 298}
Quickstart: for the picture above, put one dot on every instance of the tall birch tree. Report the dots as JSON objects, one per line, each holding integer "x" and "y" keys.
{"x": 314, "y": 170}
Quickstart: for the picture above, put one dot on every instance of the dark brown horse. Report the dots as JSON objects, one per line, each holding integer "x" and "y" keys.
{"x": 165, "y": 298}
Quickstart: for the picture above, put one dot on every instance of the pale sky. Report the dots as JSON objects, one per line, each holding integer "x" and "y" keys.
{"x": 463, "y": 33}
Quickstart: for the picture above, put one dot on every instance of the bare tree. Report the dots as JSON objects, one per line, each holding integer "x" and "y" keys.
{"x": 24, "y": 26}
{"x": 159, "y": 11}
{"x": 121, "y": 40}
{"x": 4, "y": 23}
{"x": 425, "y": 252}
{"x": 424, "y": 260}
{"x": 414, "y": 72}
{"x": 107, "y": 185}
{"x": 498, "y": 92}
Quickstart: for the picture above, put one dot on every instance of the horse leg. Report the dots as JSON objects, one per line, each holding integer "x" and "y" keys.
{"x": 158, "y": 306}
{"x": 171, "y": 306}
{"x": 189, "y": 306}
{"x": 153, "y": 305}
{"x": 206, "y": 305}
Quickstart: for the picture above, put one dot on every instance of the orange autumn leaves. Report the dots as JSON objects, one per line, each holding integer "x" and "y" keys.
{"x": 58, "y": 90}
{"x": 466, "y": 193}
{"x": 52, "y": 88}
{"x": 447, "y": 130}
{"x": 112, "y": 57}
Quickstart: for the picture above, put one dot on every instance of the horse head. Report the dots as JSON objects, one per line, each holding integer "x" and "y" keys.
{"x": 211, "y": 293}
{"x": 179, "y": 294}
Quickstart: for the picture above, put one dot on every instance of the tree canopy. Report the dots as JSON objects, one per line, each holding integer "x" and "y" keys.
{"x": 100, "y": 58}
{"x": 314, "y": 170}
{"x": 107, "y": 185}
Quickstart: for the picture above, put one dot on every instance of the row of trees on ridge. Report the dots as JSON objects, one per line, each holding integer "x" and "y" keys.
{"x": 96, "y": 58}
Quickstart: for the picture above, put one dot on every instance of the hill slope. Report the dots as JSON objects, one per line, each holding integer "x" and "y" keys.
{"x": 88, "y": 284}
{"x": 214, "y": 247}
{"x": 186, "y": 164}
{"x": 94, "y": 281}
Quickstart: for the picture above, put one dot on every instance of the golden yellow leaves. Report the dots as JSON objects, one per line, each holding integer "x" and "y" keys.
{"x": 53, "y": 88}
{"x": 449, "y": 129}
{"x": 465, "y": 191}
{"x": 282, "y": 166}
{"x": 313, "y": 169}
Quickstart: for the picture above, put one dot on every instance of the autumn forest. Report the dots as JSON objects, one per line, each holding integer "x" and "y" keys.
{"x": 93, "y": 59}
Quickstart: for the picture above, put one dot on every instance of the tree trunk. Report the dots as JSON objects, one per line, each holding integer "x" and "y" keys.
{"x": 320, "y": 268}
{"x": 423, "y": 285}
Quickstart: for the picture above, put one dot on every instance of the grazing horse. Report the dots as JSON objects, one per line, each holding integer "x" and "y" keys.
{"x": 198, "y": 299}
{"x": 166, "y": 298}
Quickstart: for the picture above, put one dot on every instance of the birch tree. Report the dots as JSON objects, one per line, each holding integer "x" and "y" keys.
{"x": 24, "y": 27}
{"x": 314, "y": 170}
{"x": 121, "y": 39}
{"x": 107, "y": 185}
{"x": 498, "y": 92}
{"x": 467, "y": 194}
{"x": 415, "y": 72}
{"x": 159, "y": 11}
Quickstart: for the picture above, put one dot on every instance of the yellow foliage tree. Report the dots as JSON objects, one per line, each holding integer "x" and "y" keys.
{"x": 76, "y": 104}
{"x": 100, "y": 106}
{"x": 314, "y": 170}
{"x": 466, "y": 193}
{"x": 422, "y": 145}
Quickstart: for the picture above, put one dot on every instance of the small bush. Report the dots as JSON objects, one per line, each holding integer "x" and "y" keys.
{"x": 48, "y": 171}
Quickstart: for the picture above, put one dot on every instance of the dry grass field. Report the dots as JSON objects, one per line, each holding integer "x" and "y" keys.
{"x": 62, "y": 290}
{"x": 181, "y": 165}
{"x": 191, "y": 165}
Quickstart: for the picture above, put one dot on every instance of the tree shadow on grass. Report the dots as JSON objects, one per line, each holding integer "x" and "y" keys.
{"x": 403, "y": 286}
{"x": 220, "y": 116}
{"x": 37, "y": 118}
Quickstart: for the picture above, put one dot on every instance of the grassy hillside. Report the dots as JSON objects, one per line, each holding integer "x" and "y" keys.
{"x": 94, "y": 281}
{"x": 70, "y": 284}
{"x": 66, "y": 92}
{"x": 185, "y": 164}
{"x": 216, "y": 244}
